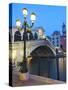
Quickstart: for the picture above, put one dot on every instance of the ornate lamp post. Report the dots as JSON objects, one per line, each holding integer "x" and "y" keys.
{"x": 23, "y": 68}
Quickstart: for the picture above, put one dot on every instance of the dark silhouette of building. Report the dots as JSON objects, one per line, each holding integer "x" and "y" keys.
{"x": 64, "y": 29}
{"x": 63, "y": 37}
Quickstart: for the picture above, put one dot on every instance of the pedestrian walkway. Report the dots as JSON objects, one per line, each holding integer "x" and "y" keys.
{"x": 33, "y": 80}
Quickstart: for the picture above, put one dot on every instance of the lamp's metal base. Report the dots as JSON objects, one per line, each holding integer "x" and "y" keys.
{"x": 24, "y": 76}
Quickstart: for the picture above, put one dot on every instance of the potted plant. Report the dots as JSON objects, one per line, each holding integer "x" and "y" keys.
{"x": 23, "y": 71}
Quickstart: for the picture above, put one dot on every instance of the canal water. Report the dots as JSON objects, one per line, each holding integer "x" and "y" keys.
{"x": 54, "y": 68}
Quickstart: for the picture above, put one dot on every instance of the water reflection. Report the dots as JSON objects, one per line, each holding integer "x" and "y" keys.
{"x": 52, "y": 67}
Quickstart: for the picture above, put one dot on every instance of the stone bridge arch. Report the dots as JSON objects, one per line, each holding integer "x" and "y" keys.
{"x": 41, "y": 61}
{"x": 16, "y": 48}
{"x": 34, "y": 48}
{"x": 43, "y": 43}
{"x": 44, "y": 47}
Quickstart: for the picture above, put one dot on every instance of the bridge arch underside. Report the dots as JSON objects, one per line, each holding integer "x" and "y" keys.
{"x": 41, "y": 64}
{"x": 42, "y": 51}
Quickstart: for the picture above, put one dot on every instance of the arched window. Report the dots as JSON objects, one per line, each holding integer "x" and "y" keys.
{"x": 35, "y": 36}
{"x": 17, "y": 36}
{"x": 31, "y": 36}
{"x": 26, "y": 36}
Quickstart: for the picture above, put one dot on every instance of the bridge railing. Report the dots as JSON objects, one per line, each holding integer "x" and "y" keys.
{"x": 51, "y": 44}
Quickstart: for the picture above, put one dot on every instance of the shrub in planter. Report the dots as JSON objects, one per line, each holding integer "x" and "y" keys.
{"x": 23, "y": 72}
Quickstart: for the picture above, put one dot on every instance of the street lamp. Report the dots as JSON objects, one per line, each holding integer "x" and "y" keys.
{"x": 23, "y": 68}
{"x": 33, "y": 17}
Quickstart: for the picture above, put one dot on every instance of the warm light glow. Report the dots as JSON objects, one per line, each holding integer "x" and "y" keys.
{"x": 33, "y": 17}
{"x": 25, "y": 12}
{"x": 43, "y": 36}
{"x": 29, "y": 59}
{"x": 18, "y": 23}
{"x": 13, "y": 54}
{"x": 29, "y": 30}
{"x": 40, "y": 32}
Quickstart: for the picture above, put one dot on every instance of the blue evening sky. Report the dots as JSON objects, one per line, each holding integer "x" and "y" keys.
{"x": 49, "y": 17}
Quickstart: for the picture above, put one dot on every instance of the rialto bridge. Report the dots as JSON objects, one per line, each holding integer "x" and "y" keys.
{"x": 16, "y": 49}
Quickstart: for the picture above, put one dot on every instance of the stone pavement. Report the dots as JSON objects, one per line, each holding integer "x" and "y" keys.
{"x": 33, "y": 80}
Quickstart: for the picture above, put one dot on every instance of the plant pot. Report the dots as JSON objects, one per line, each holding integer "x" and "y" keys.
{"x": 24, "y": 76}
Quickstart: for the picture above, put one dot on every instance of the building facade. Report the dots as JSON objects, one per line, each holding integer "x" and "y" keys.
{"x": 63, "y": 37}
{"x": 55, "y": 39}
{"x": 59, "y": 40}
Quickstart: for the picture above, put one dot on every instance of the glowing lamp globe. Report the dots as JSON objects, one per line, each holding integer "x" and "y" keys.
{"x": 33, "y": 17}
{"x": 25, "y": 12}
{"x": 18, "y": 23}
